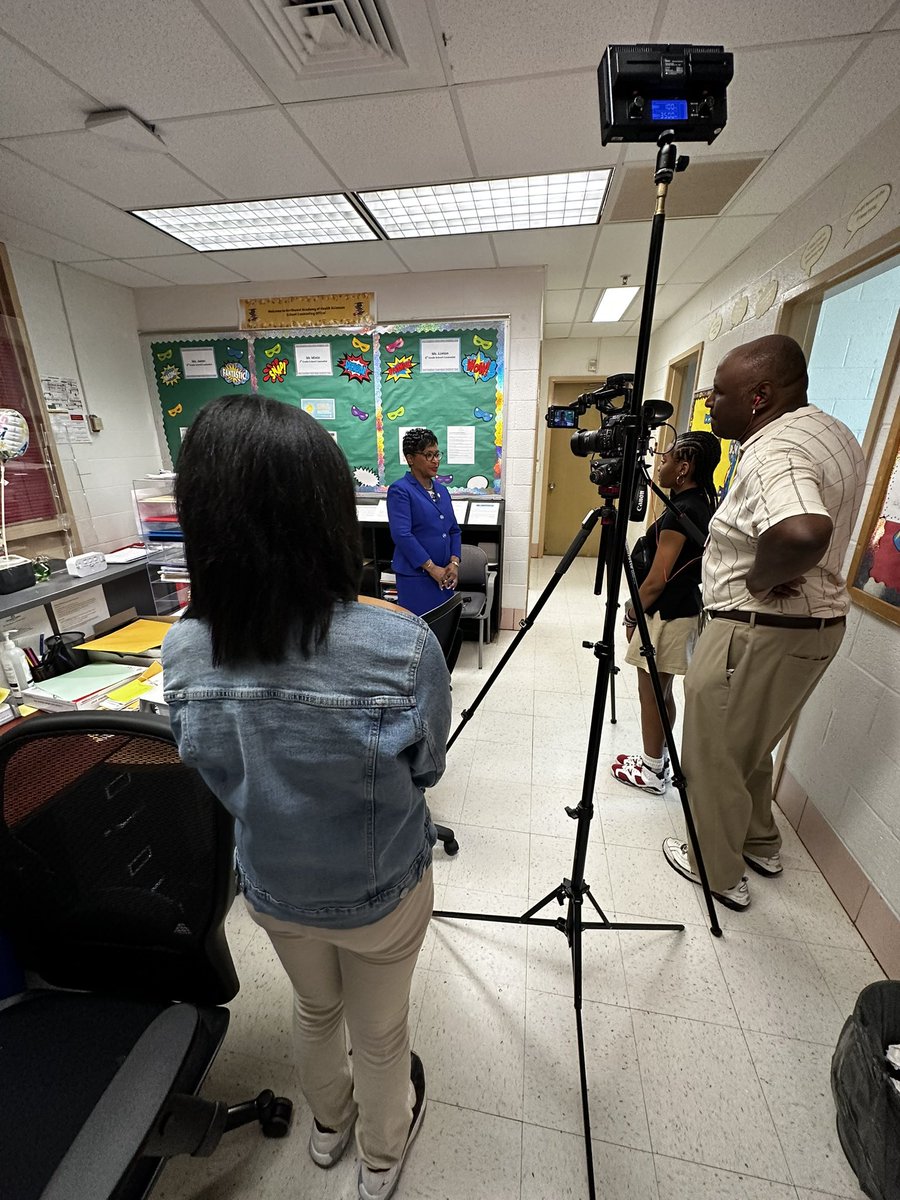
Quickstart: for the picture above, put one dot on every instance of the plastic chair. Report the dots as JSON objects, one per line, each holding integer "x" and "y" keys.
{"x": 444, "y": 622}
{"x": 115, "y": 879}
{"x": 476, "y": 586}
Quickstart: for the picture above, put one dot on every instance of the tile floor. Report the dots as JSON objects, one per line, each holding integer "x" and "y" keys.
{"x": 708, "y": 1059}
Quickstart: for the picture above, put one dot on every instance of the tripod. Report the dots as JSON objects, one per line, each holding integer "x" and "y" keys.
{"x": 632, "y": 430}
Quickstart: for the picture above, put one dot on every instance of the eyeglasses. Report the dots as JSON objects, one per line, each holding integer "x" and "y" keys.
{"x": 431, "y": 455}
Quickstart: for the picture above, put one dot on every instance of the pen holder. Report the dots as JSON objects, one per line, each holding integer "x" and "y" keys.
{"x": 60, "y": 654}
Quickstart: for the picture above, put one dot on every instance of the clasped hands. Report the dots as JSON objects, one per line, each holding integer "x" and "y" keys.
{"x": 445, "y": 577}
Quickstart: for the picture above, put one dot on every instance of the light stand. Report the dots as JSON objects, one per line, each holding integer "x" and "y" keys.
{"x": 633, "y": 426}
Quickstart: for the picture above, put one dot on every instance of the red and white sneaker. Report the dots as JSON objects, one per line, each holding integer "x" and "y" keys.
{"x": 631, "y": 769}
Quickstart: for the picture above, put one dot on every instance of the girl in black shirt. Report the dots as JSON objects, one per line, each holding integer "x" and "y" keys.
{"x": 670, "y": 596}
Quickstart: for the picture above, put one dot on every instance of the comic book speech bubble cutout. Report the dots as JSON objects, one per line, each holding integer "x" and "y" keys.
{"x": 867, "y": 210}
{"x": 477, "y": 367}
{"x": 354, "y": 366}
{"x": 176, "y": 411}
{"x": 359, "y": 414}
{"x": 481, "y": 414}
{"x": 477, "y": 481}
{"x": 397, "y": 413}
{"x": 715, "y": 327}
{"x": 273, "y": 350}
{"x": 814, "y": 249}
{"x": 170, "y": 375}
{"x": 234, "y": 373}
{"x": 400, "y": 368}
{"x": 365, "y": 477}
{"x": 275, "y": 371}
{"x": 766, "y": 298}
{"x": 739, "y": 311}
{"x": 392, "y": 346}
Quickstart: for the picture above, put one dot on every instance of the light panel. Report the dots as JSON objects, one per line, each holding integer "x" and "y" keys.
{"x": 613, "y": 303}
{"x": 248, "y": 225}
{"x": 490, "y": 205}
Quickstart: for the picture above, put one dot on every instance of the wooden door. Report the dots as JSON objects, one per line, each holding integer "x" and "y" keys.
{"x": 570, "y": 493}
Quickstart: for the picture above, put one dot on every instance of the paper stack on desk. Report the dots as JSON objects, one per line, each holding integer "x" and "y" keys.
{"x": 80, "y": 689}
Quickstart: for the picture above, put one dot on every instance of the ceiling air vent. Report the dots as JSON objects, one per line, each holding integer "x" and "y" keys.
{"x": 331, "y": 38}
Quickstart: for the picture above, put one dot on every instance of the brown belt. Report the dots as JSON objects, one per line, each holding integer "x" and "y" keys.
{"x": 776, "y": 619}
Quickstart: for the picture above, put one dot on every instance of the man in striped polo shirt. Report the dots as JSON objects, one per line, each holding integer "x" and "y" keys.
{"x": 773, "y": 588}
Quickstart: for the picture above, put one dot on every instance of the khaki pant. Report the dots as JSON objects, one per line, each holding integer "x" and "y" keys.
{"x": 742, "y": 691}
{"x": 362, "y": 976}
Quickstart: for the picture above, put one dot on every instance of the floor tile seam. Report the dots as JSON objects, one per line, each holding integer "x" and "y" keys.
{"x": 728, "y": 1171}
{"x": 654, "y": 1012}
{"x": 785, "y": 1037}
{"x": 772, "y": 1118}
{"x": 719, "y": 944}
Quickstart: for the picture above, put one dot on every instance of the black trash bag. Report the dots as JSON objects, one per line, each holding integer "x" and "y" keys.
{"x": 868, "y": 1105}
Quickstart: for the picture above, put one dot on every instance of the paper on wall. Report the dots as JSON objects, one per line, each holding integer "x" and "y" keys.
{"x": 484, "y": 512}
{"x": 460, "y": 444}
{"x": 313, "y": 358}
{"x": 439, "y": 354}
{"x": 81, "y": 612}
{"x": 199, "y": 362}
{"x": 30, "y": 624}
{"x": 67, "y": 410}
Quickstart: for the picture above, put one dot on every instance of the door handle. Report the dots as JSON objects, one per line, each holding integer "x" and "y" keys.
{"x": 551, "y": 487}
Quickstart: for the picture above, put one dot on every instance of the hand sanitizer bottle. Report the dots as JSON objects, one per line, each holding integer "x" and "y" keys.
{"x": 14, "y": 663}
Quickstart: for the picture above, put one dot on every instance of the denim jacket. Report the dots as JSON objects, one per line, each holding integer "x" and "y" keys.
{"x": 322, "y": 761}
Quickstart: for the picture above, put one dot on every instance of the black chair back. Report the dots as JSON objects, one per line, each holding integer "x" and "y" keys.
{"x": 116, "y": 860}
{"x": 473, "y": 569}
{"x": 444, "y": 622}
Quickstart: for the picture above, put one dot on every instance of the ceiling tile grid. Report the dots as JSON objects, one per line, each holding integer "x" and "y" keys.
{"x": 186, "y": 268}
{"x": 768, "y": 22}
{"x": 123, "y": 273}
{"x": 39, "y": 241}
{"x": 53, "y": 103}
{"x": 259, "y": 265}
{"x": 451, "y": 253}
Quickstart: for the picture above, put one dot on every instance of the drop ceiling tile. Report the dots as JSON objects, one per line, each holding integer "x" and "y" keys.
{"x": 529, "y": 37}
{"x": 259, "y": 265}
{"x": 623, "y": 248}
{"x": 34, "y": 196}
{"x": 123, "y": 177}
{"x": 555, "y": 330}
{"x": 451, "y": 253}
{"x": 588, "y": 303}
{"x": 669, "y": 299}
{"x": 840, "y": 120}
{"x": 39, "y": 241}
{"x": 160, "y": 60}
{"x": 360, "y": 258}
{"x": 728, "y": 238}
{"x": 767, "y": 22}
{"x": 565, "y": 252}
{"x": 535, "y": 126}
{"x": 186, "y": 268}
{"x": 387, "y": 141}
{"x": 251, "y": 155}
{"x": 33, "y": 99}
{"x": 121, "y": 272}
{"x": 561, "y": 305}
{"x": 600, "y": 329}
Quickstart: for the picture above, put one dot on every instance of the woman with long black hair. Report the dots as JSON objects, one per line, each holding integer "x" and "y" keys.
{"x": 318, "y": 719}
{"x": 670, "y": 597}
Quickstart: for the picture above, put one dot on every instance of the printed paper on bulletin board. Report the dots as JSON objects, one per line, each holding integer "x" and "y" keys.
{"x": 444, "y": 377}
{"x": 730, "y": 450}
{"x": 331, "y": 376}
{"x": 191, "y": 373}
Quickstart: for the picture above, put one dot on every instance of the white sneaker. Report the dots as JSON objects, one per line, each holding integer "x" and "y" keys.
{"x": 632, "y": 769}
{"x": 676, "y": 853}
{"x": 327, "y": 1145}
{"x": 379, "y": 1185}
{"x": 765, "y": 866}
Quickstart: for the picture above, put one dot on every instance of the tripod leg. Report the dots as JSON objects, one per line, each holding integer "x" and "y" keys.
{"x": 575, "y": 934}
{"x": 587, "y": 528}
{"x": 677, "y": 778}
{"x": 603, "y": 564}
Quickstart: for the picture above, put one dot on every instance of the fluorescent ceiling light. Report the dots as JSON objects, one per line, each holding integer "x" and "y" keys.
{"x": 613, "y": 303}
{"x": 488, "y": 205}
{"x": 296, "y": 221}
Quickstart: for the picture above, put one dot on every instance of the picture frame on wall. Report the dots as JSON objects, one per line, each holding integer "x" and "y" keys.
{"x": 874, "y": 576}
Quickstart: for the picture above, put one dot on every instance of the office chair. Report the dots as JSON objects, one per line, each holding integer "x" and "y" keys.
{"x": 116, "y": 877}
{"x": 476, "y": 586}
{"x": 444, "y": 622}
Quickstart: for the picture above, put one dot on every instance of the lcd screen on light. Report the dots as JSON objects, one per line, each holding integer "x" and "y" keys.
{"x": 668, "y": 110}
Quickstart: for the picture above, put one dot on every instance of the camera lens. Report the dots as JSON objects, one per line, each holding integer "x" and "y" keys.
{"x": 586, "y": 442}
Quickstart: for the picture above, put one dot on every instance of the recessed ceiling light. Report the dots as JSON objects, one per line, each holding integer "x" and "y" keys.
{"x": 489, "y": 205}
{"x": 613, "y": 303}
{"x": 295, "y": 221}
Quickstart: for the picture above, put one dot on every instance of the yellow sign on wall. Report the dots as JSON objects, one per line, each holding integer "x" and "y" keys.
{"x": 730, "y": 450}
{"x": 301, "y": 312}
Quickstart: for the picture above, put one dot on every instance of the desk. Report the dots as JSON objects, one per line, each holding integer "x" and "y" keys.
{"x": 478, "y": 524}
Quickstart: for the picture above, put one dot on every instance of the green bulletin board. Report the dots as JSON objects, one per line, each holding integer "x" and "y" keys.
{"x": 331, "y": 377}
{"x": 191, "y": 373}
{"x": 365, "y": 385}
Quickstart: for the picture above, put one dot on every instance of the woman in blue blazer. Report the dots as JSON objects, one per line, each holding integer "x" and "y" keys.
{"x": 427, "y": 540}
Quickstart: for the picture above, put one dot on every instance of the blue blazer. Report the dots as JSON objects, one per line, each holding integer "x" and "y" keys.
{"x": 421, "y": 528}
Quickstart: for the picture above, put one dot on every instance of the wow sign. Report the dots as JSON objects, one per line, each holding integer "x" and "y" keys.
{"x": 354, "y": 366}
{"x": 479, "y": 367}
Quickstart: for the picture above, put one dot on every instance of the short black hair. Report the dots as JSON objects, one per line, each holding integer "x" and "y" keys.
{"x": 417, "y": 440}
{"x": 268, "y": 508}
